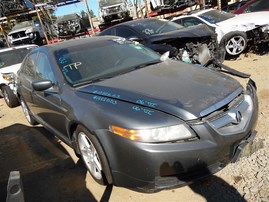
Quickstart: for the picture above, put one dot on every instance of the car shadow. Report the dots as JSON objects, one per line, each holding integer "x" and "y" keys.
{"x": 47, "y": 171}
{"x": 214, "y": 188}
{"x": 211, "y": 187}
{"x": 49, "y": 174}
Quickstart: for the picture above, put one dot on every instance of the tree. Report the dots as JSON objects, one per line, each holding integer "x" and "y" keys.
{"x": 83, "y": 14}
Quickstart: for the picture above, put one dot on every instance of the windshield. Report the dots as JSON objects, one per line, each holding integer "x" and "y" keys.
{"x": 216, "y": 16}
{"x": 109, "y": 2}
{"x": 13, "y": 57}
{"x": 107, "y": 59}
{"x": 154, "y": 26}
{"x": 22, "y": 24}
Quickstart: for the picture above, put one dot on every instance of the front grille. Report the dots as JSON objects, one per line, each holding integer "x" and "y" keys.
{"x": 18, "y": 35}
{"x": 234, "y": 118}
{"x": 114, "y": 10}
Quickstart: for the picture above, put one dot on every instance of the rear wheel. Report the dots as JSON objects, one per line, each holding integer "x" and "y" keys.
{"x": 93, "y": 156}
{"x": 9, "y": 97}
{"x": 27, "y": 114}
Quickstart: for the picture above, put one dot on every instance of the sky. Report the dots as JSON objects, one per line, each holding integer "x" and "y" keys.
{"x": 77, "y": 7}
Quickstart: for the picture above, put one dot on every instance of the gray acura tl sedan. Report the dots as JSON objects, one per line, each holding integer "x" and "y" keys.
{"x": 137, "y": 119}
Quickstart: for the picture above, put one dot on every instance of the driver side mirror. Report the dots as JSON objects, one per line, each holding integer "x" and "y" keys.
{"x": 42, "y": 85}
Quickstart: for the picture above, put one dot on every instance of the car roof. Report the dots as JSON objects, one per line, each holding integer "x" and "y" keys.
{"x": 131, "y": 22}
{"x": 193, "y": 13}
{"x": 17, "y": 47}
{"x": 78, "y": 42}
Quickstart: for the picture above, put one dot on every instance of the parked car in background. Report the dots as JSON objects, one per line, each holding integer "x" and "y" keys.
{"x": 137, "y": 119}
{"x": 26, "y": 32}
{"x": 9, "y": 7}
{"x": 69, "y": 25}
{"x": 234, "y": 32}
{"x": 196, "y": 45}
{"x": 233, "y": 7}
{"x": 10, "y": 62}
{"x": 110, "y": 10}
{"x": 254, "y": 6}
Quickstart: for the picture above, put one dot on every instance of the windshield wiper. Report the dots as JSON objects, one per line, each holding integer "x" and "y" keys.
{"x": 101, "y": 78}
{"x": 140, "y": 66}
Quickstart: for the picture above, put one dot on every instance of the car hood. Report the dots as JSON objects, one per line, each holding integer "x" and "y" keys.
{"x": 20, "y": 30}
{"x": 179, "y": 89}
{"x": 188, "y": 32}
{"x": 9, "y": 69}
{"x": 246, "y": 21}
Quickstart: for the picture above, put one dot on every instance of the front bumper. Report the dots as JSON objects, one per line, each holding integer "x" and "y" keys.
{"x": 28, "y": 39}
{"x": 259, "y": 35}
{"x": 152, "y": 167}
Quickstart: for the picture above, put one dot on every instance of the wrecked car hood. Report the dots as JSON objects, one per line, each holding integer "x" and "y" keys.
{"x": 189, "y": 32}
{"x": 179, "y": 89}
{"x": 245, "y": 22}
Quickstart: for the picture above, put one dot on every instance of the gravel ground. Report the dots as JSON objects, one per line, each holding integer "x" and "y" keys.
{"x": 250, "y": 175}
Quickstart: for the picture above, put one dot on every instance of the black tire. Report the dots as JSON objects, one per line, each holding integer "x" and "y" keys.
{"x": 38, "y": 41}
{"x": 10, "y": 98}
{"x": 27, "y": 113}
{"x": 93, "y": 156}
{"x": 1, "y": 93}
{"x": 234, "y": 43}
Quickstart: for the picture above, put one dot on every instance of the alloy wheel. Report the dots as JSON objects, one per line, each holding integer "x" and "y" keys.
{"x": 26, "y": 111}
{"x": 236, "y": 45}
{"x": 90, "y": 155}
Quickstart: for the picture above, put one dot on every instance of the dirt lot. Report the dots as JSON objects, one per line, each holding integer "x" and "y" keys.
{"x": 51, "y": 172}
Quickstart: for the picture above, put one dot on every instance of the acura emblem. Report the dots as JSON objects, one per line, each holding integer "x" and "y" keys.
{"x": 236, "y": 117}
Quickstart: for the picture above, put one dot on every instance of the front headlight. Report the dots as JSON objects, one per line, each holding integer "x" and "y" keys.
{"x": 29, "y": 30}
{"x": 165, "y": 134}
{"x": 104, "y": 12}
{"x": 9, "y": 77}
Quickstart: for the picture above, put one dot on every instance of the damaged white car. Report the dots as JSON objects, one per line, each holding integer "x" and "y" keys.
{"x": 10, "y": 63}
{"x": 235, "y": 32}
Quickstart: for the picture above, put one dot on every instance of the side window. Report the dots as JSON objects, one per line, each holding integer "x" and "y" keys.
{"x": 29, "y": 65}
{"x": 108, "y": 32}
{"x": 178, "y": 21}
{"x": 43, "y": 68}
{"x": 186, "y": 22}
{"x": 126, "y": 33}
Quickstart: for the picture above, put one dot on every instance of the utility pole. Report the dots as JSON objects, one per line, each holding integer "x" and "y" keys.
{"x": 146, "y": 8}
{"x": 90, "y": 17}
{"x": 219, "y": 4}
{"x": 4, "y": 34}
{"x": 40, "y": 20}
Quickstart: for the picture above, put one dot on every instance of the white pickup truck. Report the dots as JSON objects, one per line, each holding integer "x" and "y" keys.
{"x": 10, "y": 62}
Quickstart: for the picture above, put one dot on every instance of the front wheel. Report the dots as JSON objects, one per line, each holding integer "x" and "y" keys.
{"x": 9, "y": 97}
{"x": 93, "y": 156}
{"x": 28, "y": 114}
{"x": 235, "y": 43}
